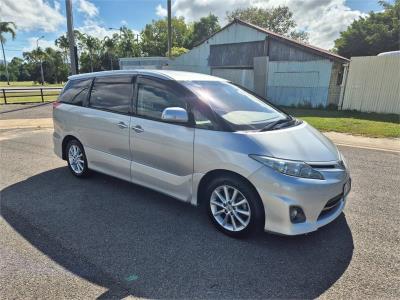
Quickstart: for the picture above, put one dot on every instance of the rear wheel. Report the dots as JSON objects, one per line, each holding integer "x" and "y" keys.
{"x": 76, "y": 158}
{"x": 234, "y": 206}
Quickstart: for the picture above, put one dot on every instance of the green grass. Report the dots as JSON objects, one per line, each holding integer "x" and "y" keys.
{"x": 3, "y": 84}
{"x": 366, "y": 124}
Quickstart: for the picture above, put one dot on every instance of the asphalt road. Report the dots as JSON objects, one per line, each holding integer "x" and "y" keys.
{"x": 63, "y": 237}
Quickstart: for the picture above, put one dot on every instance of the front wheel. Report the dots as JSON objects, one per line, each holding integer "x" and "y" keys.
{"x": 76, "y": 158}
{"x": 234, "y": 206}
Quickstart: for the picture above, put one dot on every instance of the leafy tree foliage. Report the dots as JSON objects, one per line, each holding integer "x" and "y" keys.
{"x": 177, "y": 51}
{"x": 204, "y": 28}
{"x": 154, "y": 37}
{"x": 279, "y": 20}
{"x": 376, "y": 33}
{"x": 6, "y": 27}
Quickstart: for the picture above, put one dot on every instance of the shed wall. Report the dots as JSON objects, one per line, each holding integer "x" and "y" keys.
{"x": 197, "y": 59}
{"x": 334, "y": 85}
{"x": 280, "y": 51}
{"x": 236, "y": 54}
{"x": 243, "y": 77}
{"x": 299, "y": 83}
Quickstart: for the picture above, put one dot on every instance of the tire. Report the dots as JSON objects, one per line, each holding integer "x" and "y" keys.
{"x": 76, "y": 158}
{"x": 238, "y": 218}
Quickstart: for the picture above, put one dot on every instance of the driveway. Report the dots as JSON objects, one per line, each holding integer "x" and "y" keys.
{"x": 64, "y": 237}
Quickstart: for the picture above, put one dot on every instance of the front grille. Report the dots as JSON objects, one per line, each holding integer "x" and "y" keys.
{"x": 331, "y": 206}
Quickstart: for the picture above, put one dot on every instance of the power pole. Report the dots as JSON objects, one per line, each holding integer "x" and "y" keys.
{"x": 71, "y": 38}
{"x": 169, "y": 29}
{"x": 41, "y": 61}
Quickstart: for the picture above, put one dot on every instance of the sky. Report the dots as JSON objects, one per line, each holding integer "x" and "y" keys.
{"x": 322, "y": 19}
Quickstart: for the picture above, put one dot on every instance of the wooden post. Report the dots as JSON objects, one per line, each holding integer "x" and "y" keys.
{"x": 4, "y": 96}
{"x": 41, "y": 94}
{"x": 169, "y": 28}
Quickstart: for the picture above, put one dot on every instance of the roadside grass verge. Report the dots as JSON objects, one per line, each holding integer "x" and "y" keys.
{"x": 3, "y": 84}
{"x": 357, "y": 123}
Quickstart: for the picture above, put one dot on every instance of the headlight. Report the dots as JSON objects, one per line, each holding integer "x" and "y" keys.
{"x": 289, "y": 167}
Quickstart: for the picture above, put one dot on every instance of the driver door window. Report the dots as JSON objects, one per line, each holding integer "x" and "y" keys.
{"x": 152, "y": 99}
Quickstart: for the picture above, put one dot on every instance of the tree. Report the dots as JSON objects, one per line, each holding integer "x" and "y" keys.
{"x": 35, "y": 58}
{"x": 17, "y": 69}
{"x": 155, "y": 35}
{"x": 109, "y": 47}
{"x": 279, "y": 20}
{"x": 204, "y": 28}
{"x": 92, "y": 46}
{"x": 55, "y": 69}
{"x": 6, "y": 27}
{"x": 128, "y": 43}
{"x": 63, "y": 43}
{"x": 177, "y": 51}
{"x": 376, "y": 33}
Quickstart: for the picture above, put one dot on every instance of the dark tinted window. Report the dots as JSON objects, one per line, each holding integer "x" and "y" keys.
{"x": 112, "y": 93}
{"x": 76, "y": 91}
{"x": 154, "y": 98}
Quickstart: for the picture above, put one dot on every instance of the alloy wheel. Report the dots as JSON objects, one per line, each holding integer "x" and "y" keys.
{"x": 75, "y": 158}
{"x": 230, "y": 208}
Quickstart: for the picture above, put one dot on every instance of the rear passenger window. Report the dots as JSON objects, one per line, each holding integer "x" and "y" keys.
{"x": 112, "y": 93}
{"x": 76, "y": 91}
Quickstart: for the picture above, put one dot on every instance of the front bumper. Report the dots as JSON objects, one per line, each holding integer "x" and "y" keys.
{"x": 279, "y": 192}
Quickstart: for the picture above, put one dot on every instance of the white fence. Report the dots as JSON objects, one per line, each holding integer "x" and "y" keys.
{"x": 373, "y": 85}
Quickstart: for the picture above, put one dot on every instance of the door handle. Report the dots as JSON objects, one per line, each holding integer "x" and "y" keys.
{"x": 138, "y": 128}
{"x": 122, "y": 125}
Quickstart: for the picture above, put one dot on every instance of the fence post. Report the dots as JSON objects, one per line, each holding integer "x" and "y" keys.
{"x": 4, "y": 96}
{"x": 41, "y": 93}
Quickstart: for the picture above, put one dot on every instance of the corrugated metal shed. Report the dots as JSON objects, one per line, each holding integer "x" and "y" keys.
{"x": 284, "y": 70}
{"x": 373, "y": 84}
{"x": 277, "y": 37}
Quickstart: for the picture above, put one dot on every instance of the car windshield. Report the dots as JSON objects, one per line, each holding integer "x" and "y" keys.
{"x": 240, "y": 109}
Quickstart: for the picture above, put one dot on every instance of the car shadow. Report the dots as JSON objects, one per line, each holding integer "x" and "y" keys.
{"x": 135, "y": 241}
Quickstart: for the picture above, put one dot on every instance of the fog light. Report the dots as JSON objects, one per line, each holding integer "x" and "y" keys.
{"x": 296, "y": 214}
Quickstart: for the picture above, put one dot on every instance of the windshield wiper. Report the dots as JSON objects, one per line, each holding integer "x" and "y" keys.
{"x": 271, "y": 125}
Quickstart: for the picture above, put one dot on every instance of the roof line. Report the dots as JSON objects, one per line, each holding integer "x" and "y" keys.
{"x": 317, "y": 50}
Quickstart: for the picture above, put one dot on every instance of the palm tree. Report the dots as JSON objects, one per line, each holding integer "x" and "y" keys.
{"x": 35, "y": 56}
{"x": 91, "y": 44}
{"x": 6, "y": 27}
{"x": 63, "y": 43}
{"x": 109, "y": 45}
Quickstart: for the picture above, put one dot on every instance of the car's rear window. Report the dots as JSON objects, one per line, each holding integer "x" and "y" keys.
{"x": 76, "y": 91}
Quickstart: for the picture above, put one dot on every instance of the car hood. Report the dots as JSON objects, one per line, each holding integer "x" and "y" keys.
{"x": 302, "y": 142}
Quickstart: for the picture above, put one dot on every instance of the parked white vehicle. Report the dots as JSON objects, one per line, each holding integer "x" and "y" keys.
{"x": 203, "y": 140}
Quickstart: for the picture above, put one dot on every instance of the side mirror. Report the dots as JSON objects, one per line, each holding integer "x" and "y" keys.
{"x": 175, "y": 114}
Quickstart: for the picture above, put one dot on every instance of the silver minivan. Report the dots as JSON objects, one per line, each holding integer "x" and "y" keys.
{"x": 206, "y": 141}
